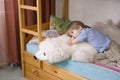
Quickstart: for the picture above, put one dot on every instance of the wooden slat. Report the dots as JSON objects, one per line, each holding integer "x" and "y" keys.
{"x": 29, "y": 58}
{"x": 64, "y": 9}
{"x": 41, "y": 75}
{"x": 29, "y": 32}
{"x": 31, "y": 27}
{"x": 39, "y": 19}
{"x": 34, "y": 27}
{"x": 61, "y": 73}
{"x": 30, "y": 76}
{"x": 28, "y": 7}
{"x": 45, "y": 25}
{"x": 21, "y": 23}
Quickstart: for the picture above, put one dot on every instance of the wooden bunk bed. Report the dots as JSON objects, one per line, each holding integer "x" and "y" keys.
{"x": 35, "y": 69}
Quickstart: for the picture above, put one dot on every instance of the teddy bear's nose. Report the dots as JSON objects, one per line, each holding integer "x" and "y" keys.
{"x": 35, "y": 57}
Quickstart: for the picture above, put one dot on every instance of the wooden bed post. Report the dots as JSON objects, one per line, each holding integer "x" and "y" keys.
{"x": 39, "y": 19}
{"x": 22, "y": 25}
{"x": 64, "y": 9}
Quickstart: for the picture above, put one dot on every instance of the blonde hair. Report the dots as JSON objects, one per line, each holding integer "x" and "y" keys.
{"x": 74, "y": 25}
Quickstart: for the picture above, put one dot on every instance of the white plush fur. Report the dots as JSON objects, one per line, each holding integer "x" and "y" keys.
{"x": 83, "y": 52}
{"x": 56, "y": 49}
{"x": 53, "y": 50}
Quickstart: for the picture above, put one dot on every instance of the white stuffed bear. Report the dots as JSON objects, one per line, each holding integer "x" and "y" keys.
{"x": 56, "y": 49}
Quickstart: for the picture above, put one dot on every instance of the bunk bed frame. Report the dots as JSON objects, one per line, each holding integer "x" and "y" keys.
{"x": 35, "y": 69}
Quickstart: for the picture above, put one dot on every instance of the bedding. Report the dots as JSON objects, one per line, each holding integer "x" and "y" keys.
{"x": 52, "y": 33}
{"x": 89, "y": 70}
{"x": 59, "y": 24}
{"x": 93, "y": 71}
{"x": 111, "y": 56}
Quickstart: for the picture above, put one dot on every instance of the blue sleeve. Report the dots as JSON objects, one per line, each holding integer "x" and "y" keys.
{"x": 82, "y": 36}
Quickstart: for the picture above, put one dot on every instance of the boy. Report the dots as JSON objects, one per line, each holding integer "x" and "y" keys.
{"x": 78, "y": 32}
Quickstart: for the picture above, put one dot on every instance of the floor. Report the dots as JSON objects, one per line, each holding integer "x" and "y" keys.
{"x": 11, "y": 73}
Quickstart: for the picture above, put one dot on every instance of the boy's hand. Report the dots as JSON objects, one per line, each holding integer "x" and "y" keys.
{"x": 70, "y": 42}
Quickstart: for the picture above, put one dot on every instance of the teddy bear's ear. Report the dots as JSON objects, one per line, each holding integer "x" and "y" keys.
{"x": 44, "y": 43}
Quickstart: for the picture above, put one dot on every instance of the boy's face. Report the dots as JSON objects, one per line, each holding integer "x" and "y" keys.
{"x": 74, "y": 33}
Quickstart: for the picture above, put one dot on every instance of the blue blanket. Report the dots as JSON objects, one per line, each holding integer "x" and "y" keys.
{"x": 88, "y": 70}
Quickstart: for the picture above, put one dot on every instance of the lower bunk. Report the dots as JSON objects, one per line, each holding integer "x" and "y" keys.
{"x": 38, "y": 70}
{"x": 65, "y": 70}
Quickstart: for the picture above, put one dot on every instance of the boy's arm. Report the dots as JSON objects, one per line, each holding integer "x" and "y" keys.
{"x": 73, "y": 41}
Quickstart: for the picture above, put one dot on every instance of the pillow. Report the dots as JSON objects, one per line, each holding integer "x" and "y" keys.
{"x": 52, "y": 33}
{"x": 111, "y": 30}
{"x": 59, "y": 24}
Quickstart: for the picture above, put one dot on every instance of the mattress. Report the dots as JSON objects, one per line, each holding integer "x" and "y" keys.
{"x": 89, "y": 70}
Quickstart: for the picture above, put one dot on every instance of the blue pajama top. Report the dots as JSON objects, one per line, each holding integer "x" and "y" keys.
{"x": 97, "y": 39}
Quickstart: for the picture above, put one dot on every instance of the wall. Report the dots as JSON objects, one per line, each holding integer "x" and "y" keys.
{"x": 90, "y": 11}
{"x": 58, "y": 9}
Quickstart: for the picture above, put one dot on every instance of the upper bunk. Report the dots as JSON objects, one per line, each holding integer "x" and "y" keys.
{"x": 37, "y": 8}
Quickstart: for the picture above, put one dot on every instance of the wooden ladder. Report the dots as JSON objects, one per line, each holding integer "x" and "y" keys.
{"x": 33, "y": 29}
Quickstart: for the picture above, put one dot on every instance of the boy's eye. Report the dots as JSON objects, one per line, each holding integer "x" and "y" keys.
{"x": 72, "y": 32}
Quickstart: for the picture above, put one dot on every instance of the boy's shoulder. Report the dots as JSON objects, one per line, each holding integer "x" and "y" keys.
{"x": 87, "y": 29}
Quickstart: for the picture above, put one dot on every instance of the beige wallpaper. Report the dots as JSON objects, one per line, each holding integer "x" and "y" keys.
{"x": 91, "y": 11}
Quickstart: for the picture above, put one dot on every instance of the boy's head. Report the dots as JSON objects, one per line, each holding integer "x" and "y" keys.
{"x": 75, "y": 28}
